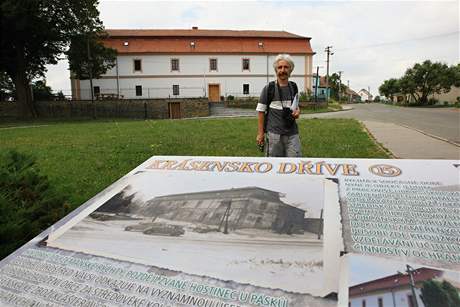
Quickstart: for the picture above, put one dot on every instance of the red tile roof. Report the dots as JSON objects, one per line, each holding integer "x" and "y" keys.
{"x": 393, "y": 281}
{"x": 199, "y": 33}
{"x": 206, "y": 41}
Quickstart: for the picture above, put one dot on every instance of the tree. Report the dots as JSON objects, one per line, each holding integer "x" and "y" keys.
{"x": 389, "y": 88}
{"x": 439, "y": 294}
{"x": 427, "y": 78}
{"x": 334, "y": 83}
{"x": 28, "y": 204}
{"x": 35, "y": 33}
{"x": 6, "y": 87}
{"x": 87, "y": 54}
{"x": 41, "y": 91}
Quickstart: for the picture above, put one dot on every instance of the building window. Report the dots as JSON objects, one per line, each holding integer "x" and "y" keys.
{"x": 96, "y": 91}
{"x": 213, "y": 64}
{"x": 245, "y": 64}
{"x": 137, "y": 65}
{"x": 174, "y": 64}
{"x": 138, "y": 90}
{"x": 175, "y": 89}
{"x": 380, "y": 302}
{"x": 245, "y": 89}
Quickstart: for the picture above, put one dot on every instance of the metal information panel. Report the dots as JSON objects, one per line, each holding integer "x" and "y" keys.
{"x": 221, "y": 231}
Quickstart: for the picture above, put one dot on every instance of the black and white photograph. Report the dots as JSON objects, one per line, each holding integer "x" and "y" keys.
{"x": 258, "y": 230}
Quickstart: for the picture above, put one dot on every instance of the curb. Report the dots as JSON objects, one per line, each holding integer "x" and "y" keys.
{"x": 379, "y": 145}
{"x": 430, "y": 135}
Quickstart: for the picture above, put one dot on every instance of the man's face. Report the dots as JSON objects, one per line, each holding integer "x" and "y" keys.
{"x": 283, "y": 70}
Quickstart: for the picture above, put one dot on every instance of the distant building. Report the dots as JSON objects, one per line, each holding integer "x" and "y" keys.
{"x": 319, "y": 88}
{"x": 365, "y": 95}
{"x": 196, "y": 63}
{"x": 352, "y": 95}
{"x": 393, "y": 290}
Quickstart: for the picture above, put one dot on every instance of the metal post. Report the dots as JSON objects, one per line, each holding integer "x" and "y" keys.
{"x": 328, "y": 51}
{"x": 90, "y": 71}
{"x": 340, "y": 83}
{"x": 349, "y": 91}
{"x": 409, "y": 271}
{"x": 317, "y": 83}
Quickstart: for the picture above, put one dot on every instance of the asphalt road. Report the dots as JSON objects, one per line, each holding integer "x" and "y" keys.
{"x": 440, "y": 122}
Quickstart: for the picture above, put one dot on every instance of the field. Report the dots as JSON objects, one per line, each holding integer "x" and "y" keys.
{"x": 82, "y": 158}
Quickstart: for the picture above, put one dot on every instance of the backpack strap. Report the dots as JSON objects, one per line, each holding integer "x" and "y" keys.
{"x": 270, "y": 95}
{"x": 294, "y": 87}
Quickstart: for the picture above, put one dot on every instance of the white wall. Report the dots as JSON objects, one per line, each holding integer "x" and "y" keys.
{"x": 193, "y": 77}
{"x": 400, "y": 299}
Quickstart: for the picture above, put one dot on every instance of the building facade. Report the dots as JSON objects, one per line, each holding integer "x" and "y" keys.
{"x": 196, "y": 63}
{"x": 365, "y": 95}
{"x": 393, "y": 290}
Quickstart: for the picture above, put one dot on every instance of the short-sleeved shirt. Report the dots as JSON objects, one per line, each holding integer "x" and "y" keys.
{"x": 275, "y": 121}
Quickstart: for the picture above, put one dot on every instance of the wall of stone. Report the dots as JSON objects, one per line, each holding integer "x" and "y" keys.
{"x": 134, "y": 108}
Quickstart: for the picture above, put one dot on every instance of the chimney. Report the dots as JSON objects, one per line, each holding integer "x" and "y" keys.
{"x": 194, "y": 28}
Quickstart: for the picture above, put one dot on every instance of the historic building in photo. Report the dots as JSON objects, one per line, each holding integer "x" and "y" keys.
{"x": 196, "y": 63}
{"x": 222, "y": 210}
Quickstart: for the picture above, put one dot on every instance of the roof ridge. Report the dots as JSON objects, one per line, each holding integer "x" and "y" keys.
{"x": 203, "y": 32}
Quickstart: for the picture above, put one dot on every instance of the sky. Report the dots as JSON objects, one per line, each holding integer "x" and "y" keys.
{"x": 372, "y": 41}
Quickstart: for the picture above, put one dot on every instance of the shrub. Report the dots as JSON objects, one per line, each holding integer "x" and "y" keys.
{"x": 432, "y": 101}
{"x": 304, "y": 96}
{"x": 28, "y": 204}
{"x": 230, "y": 97}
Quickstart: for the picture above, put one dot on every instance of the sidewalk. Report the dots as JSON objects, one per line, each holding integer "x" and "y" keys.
{"x": 407, "y": 143}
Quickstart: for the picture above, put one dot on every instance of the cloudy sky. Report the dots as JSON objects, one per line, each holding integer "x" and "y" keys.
{"x": 372, "y": 40}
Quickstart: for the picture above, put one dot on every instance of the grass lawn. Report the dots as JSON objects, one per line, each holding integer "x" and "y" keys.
{"x": 82, "y": 158}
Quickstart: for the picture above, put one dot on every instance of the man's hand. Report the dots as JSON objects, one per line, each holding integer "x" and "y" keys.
{"x": 296, "y": 113}
{"x": 260, "y": 139}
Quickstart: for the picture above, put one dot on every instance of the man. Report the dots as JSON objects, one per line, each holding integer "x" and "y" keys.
{"x": 282, "y": 139}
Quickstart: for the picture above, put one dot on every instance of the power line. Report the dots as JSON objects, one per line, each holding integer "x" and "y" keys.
{"x": 398, "y": 42}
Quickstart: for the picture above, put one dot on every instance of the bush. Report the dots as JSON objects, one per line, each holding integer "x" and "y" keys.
{"x": 432, "y": 101}
{"x": 230, "y": 97}
{"x": 304, "y": 96}
{"x": 28, "y": 204}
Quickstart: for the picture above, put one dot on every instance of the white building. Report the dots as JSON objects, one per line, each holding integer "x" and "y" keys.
{"x": 196, "y": 63}
{"x": 365, "y": 95}
{"x": 394, "y": 290}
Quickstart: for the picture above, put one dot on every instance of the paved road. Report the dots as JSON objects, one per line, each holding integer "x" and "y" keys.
{"x": 440, "y": 122}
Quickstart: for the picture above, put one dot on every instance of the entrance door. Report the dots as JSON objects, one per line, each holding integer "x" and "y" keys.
{"x": 174, "y": 110}
{"x": 214, "y": 92}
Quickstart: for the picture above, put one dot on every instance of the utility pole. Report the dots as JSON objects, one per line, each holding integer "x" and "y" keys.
{"x": 369, "y": 91}
{"x": 340, "y": 83}
{"x": 329, "y": 53}
{"x": 317, "y": 83}
{"x": 349, "y": 91}
{"x": 410, "y": 270}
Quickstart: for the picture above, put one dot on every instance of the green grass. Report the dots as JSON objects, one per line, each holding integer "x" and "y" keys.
{"x": 82, "y": 158}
